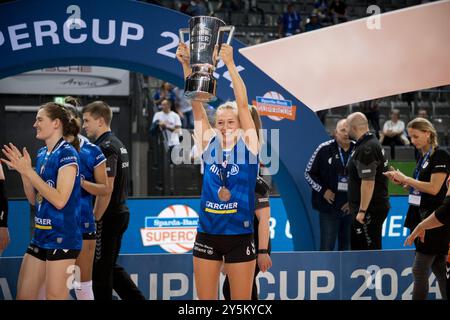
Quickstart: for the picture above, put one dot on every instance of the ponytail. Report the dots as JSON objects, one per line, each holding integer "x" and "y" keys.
{"x": 73, "y": 129}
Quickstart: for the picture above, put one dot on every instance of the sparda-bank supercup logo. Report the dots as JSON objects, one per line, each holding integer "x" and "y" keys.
{"x": 174, "y": 229}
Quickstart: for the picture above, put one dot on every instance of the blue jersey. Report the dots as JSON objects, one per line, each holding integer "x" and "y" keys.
{"x": 90, "y": 157}
{"x": 237, "y": 170}
{"x": 57, "y": 229}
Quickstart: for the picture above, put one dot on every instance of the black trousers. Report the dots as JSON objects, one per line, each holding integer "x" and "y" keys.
{"x": 368, "y": 236}
{"x": 393, "y": 141}
{"x": 448, "y": 278}
{"x": 226, "y": 286}
{"x": 107, "y": 274}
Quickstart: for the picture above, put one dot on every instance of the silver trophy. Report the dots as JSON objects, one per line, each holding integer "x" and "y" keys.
{"x": 204, "y": 32}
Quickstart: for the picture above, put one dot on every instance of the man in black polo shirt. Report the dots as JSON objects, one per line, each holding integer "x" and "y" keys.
{"x": 111, "y": 212}
{"x": 367, "y": 187}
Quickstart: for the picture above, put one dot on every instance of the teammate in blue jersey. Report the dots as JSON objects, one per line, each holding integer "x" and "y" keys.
{"x": 230, "y": 154}
{"x": 93, "y": 182}
{"x": 54, "y": 188}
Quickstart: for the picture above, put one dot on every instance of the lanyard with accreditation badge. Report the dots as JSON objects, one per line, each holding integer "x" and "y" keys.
{"x": 414, "y": 195}
{"x": 343, "y": 179}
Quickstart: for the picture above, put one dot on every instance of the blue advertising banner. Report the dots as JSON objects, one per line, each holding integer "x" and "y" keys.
{"x": 19, "y": 227}
{"x": 169, "y": 226}
{"x": 394, "y": 235}
{"x": 370, "y": 275}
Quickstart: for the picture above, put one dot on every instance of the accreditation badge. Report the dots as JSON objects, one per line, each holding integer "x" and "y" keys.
{"x": 342, "y": 183}
{"x": 414, "y": 197}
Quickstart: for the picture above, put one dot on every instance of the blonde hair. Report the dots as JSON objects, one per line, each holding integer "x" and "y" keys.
{"x": 229, "y": 105}
{"x": 424, "y": 125}
{"x": 257, "y": 121}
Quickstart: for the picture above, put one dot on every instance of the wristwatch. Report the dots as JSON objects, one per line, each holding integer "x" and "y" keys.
{"x": 362, "y": 211}
{"x": 263, "y": 251}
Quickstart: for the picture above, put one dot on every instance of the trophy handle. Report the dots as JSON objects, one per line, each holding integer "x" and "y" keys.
{"x": 230, "y": 30}
{"x": 182, "y": 32}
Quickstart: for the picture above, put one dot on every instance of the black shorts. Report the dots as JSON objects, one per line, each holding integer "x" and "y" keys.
{"x": 230, "y": 248}
{"x": 52, "y": 254}
{"x": 89, "y": 236}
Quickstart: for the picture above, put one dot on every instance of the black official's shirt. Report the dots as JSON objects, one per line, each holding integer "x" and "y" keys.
{"x": 443, "y": 216}
{"x": 117, "y": 165}
{"x": 437, "y": 239}
{"x": 367, "y": 163}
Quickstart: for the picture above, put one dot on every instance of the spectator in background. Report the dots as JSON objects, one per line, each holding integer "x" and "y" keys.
{"x": 422, "y": 113}
{"x": 289, "y": 22}
{"x": 165, "y": 92}
{"x": 183, "y": 6}
{"x": 313, "y": 23}
{"x": 184, "y": 108}
{"x": 326, "y": 173}
{"x": 427, "y": 192}
{"x": 338, "y": 10}
{"x": 230, "y": 6}
{"x": 170, "y": 124}
{"x": 409, "y": 97}
{"x": 371, "y": 110}
{"x": 197, "y": 8}
{"x": 252, "y": 6}
{"x": 321, "y": 9}
{"x": 394, "y": 133}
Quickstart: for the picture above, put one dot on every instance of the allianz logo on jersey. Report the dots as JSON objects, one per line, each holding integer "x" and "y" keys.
{"x": 51, "y": 183}
{"x": 174, "y": 229}
{"x": 234, "y": 170}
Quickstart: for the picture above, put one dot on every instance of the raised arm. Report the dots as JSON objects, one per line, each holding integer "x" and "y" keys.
{"x": 240, "y": 94}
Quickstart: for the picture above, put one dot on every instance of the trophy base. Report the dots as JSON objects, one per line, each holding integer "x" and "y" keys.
{"x": 200, "y": 96}
{"x": 200, "y": 88}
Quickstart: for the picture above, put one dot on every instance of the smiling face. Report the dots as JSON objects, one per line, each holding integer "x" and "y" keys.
{"x": 45, "y": 127}
{"x": 227, "y": 123}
